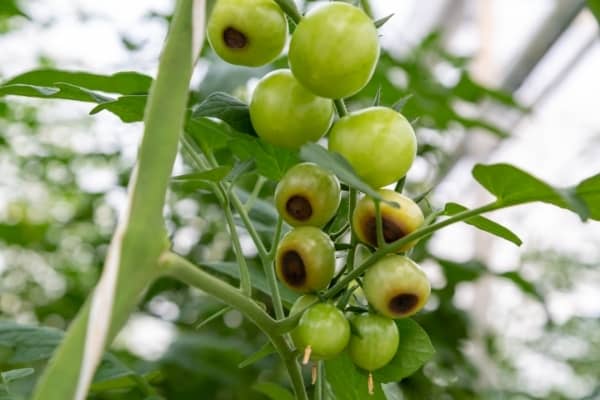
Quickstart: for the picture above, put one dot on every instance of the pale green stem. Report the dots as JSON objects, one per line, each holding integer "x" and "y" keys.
{"x": 290, "y": 8}
{"x": 142, "y": 236}
{"x": 260, "y": 182}
{"x": 181, "y": 269}
{"x": 418, "y": 234}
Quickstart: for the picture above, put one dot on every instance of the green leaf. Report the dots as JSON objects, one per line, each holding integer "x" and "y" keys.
{"x": 10, "y": 8}
{"x": 127, "y": 108}
{"x": 483, "y": 223}
{"x": 589, "y": 191}
{"x": 226, "y": 108}
{"x": 523, "y": 284}
{"x": 264, "y": 351}
{"x": 121, "y": 82}
{"x": 594, "y": 6}
{"x": 15, "y": 374}
{"x": 273, "y": 391}
{"x": 24, "y": 345}
{"x": 338, "y": 165}
{"x": 348, "y": 382}
{"x": 514, "y": 186}
{"x": 200, "y": 180}
{"x": 271, "y": 161}
{"x": 59, "y": 91}
{"x": 414, "y": 350}
{"x": 208, "y": 133}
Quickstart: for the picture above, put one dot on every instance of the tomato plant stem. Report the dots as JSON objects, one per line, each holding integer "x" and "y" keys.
{"x": 340, "y": 106}
{"x": 418, "y": 234}
{"x": 141, "y": 237}
{"x": 290, "y": 8}
{"x": 179, "y": 268}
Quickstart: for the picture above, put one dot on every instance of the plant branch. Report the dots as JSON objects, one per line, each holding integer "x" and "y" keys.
{"x": 341, "y": 108}
{"x": 179, "y": 268}
{"x": 290, "y": 8}
{"x": 418, "y": 234}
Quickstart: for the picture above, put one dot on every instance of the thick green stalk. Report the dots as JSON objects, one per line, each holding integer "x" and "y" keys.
{"x": 290, "y": 8}
{"x": 141, "y": 236}
{"x": 181, "y": 269}
{"x": 418, "y": 234}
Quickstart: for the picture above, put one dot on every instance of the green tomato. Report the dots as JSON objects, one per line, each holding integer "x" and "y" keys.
{"x": 378, "y": 142}
{"x": 375, "y": 342}
{"x": 396, "y": 287}
{"x": 286, "y": 114}
{"x": 322, "y": 333}
{"x": 247, "y": 32}
{"x": 307, "y": 195}
{"x": 334, "y": 50}
{"x": 305, "y": 259}
{"x": 396, "y": 222}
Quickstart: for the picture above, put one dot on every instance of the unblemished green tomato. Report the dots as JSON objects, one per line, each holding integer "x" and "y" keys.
{"x": 375, "y": 343}
{"x": 286, "y": 114}
{"x": 378, "y": 142}
{"x": 334, "y": 50}
{"x": 396, "y": 222}
{"x": 396, "y": 286}
{"x": 247, "y": 32}
{"x": 323, "y": 332}
{"x": 305, "y": 259}
{"x": 307, "y": 195}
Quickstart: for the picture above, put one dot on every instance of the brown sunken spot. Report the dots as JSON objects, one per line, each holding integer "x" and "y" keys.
{"x": 403, "y": 303}
{"x": 234, "y": 39}
{"x": 391, "y": 230}
{"x": 299, "y": 208}
{"x": 292, "y": 268}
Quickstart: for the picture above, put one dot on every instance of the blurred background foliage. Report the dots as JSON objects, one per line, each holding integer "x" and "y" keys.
{"x": 62, "y": 183}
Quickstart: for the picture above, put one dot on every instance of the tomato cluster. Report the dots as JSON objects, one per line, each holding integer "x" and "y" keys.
{"x": 291, "y": 107}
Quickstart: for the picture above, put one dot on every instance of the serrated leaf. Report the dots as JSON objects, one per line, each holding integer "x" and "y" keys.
{"x": 271, "y": 161}
{"x": 348, "y": 382}
{"x": 226, "y": 108}
{"x": 514, "y": 186}
{"x": 414, "y": 350}
{"x": 483, "y": 223}
{"x": 381, "y": 21}
{"x": 338, "y": 165}
{"x": 63, "y": 91}
{"x": 128, "y": 108}
{"x": 594, "y": 6}
{"x": 208, "y": 133}
{"x": 264, "y": 351}
{"x": 122, "y": 82}
{"x": 273, "y": 391}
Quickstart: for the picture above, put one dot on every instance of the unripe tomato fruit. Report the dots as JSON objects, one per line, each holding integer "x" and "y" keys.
{"x": 286, "y": 114}
{"x": 375, "y": 343}
{"x": 307, "y": 195}
{"x": 305, "y": 259}
{"x": 247, "y": 32}
{"x": 397, "y": 222}
{"x": 378, "y": 142}
{"x": 334, "y": 50}
{"x": 322, "y": 332}
{"x": 396, "y": 287}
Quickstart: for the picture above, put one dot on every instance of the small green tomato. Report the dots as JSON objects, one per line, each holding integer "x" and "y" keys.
{"x": 305, "y": 259}
{"x": 396, "y": 222}
{"x": 374, "y": 343}
{"x": 378, "y": 142}
{"x": 286, "y": 114}
{"x": 307, "y": 195}
{"x": 396, "y": 287}
{"x": 334, "y": 50}
{"x": 322, "y": 333}
{"x": 247, "y": 32}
